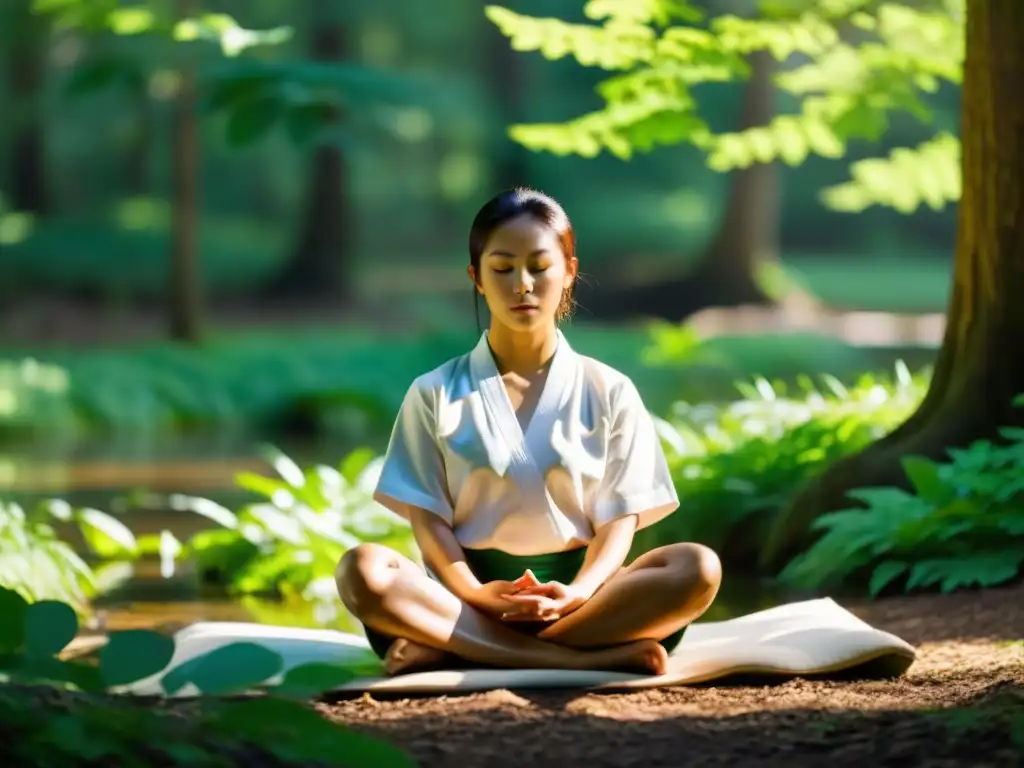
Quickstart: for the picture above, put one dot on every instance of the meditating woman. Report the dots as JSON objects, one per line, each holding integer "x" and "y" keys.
{"x": 525, "y": 470}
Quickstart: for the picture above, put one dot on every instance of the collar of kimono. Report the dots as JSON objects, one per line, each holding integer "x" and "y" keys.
{"x": 556, "y": 387}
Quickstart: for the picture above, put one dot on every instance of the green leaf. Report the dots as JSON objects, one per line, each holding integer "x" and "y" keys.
{"x": 35, "y": 669}
{"x": 235, "y": 668}
{"x": 883, "y": 575}
{"x": 134, "y": 654}
{"x": 252, "y": 119}
{"x": 289, "y": 471}
{"x": 925, "y": 477}
{"x": 211, "y": 510}
{"x": 49, "y": 627}
{"x": 355, "y": 462}
{"x": 882, "y": 498}
{"x": 313, "y": 679}
{"x": 304, "y": 122}
{"x": 273, "y": 489}
{"x": 14, "y": 611}
{"x": 98, "y": 74}
{"x": 984, "y": 569}
{"x": 131, "y": 21}
{"x": 230, "y": 92}
{"x": 614, "y": 46}
{"x": 107, "y": 536}
{"x": 928, "y": 174}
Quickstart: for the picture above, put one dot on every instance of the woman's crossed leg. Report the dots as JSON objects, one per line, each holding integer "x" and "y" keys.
{"x": 618, "y": 628}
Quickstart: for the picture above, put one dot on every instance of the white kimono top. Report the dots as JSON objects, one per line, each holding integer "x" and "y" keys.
{"x": 590, "y": 454}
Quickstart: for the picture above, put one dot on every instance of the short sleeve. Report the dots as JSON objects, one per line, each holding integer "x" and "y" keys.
{"x": 413, "y": 474}
{"x": 636, "y": 479}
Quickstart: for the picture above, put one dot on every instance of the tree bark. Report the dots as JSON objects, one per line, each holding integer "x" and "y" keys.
{"x": 185, "y": 294}
{"x": 506, "y": 75}
{"x": 977, "y": 373}
{"x": 725, "y": 275}
{"x": 137, "y": 154}
{"x": 748, "y": 237}
{"x": 319, "y": 267}
{"x": 26, "y": 74}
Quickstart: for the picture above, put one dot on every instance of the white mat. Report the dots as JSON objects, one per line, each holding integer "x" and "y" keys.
{"x": 805, "y": 638}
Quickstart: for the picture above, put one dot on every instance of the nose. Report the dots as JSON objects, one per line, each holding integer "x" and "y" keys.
{"x": 524, "y": 283}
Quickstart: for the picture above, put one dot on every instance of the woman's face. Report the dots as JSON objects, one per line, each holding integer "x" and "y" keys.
{"x": 523, "y": 273}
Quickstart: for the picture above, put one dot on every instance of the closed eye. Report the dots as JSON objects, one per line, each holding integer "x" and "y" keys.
{"x": 533, "y": 270}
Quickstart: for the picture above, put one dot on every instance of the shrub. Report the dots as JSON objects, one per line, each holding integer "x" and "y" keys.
{"x": 961, "y": 525}
{"x": 735, "y": 464}
{"x": 33, "y": 397}
{"x": 99, "y": 727}
{"x": 288, "y": 543}
{"x": 38, "y": 565}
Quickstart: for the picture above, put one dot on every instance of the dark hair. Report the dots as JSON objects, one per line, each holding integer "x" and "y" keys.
{"x": 511, "y": 204}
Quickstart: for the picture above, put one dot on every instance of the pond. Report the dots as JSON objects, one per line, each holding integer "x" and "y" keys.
{"x": 133, "y": 483}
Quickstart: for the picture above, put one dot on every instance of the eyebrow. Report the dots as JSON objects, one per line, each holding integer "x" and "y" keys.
{"x": 507, "y": 255}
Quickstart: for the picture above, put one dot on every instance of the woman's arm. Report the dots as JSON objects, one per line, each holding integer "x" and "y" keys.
{"x": 606, "y": 554}
{"x": 443, "y": 554}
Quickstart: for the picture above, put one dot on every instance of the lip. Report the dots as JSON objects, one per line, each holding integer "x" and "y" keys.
{"x": 525, "y": 308}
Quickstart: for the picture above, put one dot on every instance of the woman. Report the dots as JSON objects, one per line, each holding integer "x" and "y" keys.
{"x": 525, "y": 469}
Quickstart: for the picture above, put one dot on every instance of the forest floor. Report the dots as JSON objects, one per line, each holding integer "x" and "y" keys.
{"x": 961, "y": 703}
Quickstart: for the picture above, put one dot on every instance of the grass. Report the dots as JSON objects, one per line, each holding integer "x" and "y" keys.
{"x": 906, "y": 283}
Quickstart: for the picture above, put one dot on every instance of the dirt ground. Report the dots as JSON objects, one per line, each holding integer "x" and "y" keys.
{"x": 960, "y": 704}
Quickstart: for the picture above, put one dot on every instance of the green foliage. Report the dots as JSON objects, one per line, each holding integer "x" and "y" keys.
{"x": 1004, "y": 711}
{"x": 155, "y": 18}
{"x": 109, "y": 730}
{"x": 312, "y": 101}
{"x": 928, "y": 174}
{"x": 852, "y": 65}
{"x": 38, "y": 565}
{"x": 127, "y": 257}
{"x": 289, "y": 543}
{"x": 962, "y": 525}
{"x": 350, "y": 383}
{"x": 33, "y": 395}
{"x": 738, "y": 463}
{"x": 266, "y": 381}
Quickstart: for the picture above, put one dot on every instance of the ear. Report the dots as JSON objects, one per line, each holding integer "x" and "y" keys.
{"x": 472, "y": 276}
{"x": 572, "y": 267}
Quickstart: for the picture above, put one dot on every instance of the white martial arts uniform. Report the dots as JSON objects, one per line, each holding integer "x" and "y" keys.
{"x": 589, "y": 455}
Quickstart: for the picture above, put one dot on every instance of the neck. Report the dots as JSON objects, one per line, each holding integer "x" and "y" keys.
{"x": 522, "y": 351}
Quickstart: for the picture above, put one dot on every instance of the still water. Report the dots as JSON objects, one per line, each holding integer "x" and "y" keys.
{"x": 131, "y": 482}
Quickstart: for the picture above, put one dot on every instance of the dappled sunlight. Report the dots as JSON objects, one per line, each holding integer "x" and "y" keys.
{"x": 867, "y": 329}
{"x": 229, "y": 245}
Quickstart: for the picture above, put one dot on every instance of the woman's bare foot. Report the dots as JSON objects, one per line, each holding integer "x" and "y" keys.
{"x": 648, "y": 656}
{"x": 405, "y": 656}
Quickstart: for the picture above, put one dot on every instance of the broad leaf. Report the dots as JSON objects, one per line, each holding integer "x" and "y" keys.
{"x": 134, "y": 654}
{"x": 49, "y": 627}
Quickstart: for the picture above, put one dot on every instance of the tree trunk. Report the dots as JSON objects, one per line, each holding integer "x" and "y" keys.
{"x": 26, "y": 74}
{"x": 185, "y": 299}
{"x": 977, "y": 373}
{"x": 319, "y": 267}
{"x": 748, "y": 236}
{"x": 137, "y": 154}
{"x": 506, "y": 76}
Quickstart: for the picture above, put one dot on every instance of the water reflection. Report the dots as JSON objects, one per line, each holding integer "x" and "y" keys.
{"x": 149, "y": 601}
